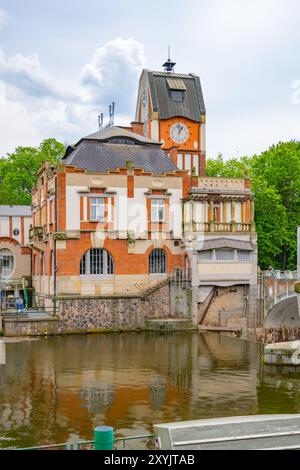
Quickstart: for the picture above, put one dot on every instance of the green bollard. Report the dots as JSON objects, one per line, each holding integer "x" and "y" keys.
{"x": 103, "y": 438}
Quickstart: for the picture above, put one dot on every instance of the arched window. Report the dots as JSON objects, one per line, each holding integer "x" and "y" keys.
{"x": 157, "y": 262}
{"x": 96, "y": 261}
{"x": 6, "y": 262}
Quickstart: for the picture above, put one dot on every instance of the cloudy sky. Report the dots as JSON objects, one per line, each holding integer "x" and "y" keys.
{"x": 62, "y": 62}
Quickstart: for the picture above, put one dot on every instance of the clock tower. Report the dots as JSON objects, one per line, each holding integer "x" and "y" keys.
{"x": 171, "y": 109}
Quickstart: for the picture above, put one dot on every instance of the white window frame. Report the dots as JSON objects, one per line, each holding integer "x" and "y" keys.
{"x": 97, "y": 204}
{"x": 205, "y": 255}
{"x": 188, "y": 162}
{"x": 228, "y": 251}
{"x": 157, "y": 210}
{"x": 97, "y": 262}
{"x": 8, "y": 259}
{"x": 244, "y": 255}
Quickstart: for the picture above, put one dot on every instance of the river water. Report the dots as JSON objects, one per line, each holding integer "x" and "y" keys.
{"x": 58, "y": 389}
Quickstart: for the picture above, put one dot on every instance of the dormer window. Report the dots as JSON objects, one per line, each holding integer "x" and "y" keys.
{"x": 177, "y": 89}
{"x": 177, "y": 95}
{"x": 121, "y": 140}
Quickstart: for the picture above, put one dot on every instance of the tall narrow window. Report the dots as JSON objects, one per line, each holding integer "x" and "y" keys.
{"x": 157, "y": 262}
{"x": 187, "y": 159}
{"x": 6, "y": 262}
{"x": 244, "y": 255}
{"x": 205, "y": 255}
{"x": 97, "y": 262}
{"x": 224, "y": 254}
{"x": 196, "y": 164}
{"x": 97, "y": 209}
{"x": 157, "y": 210}
{"x": 179, "y": 161}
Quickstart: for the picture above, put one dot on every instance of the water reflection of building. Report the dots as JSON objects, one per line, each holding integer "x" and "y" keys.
{"x": 128, "y": 381}
{"x": 96, "y": 399}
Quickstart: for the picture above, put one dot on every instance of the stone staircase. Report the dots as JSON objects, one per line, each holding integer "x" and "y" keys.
{"x": 153, "y": 288}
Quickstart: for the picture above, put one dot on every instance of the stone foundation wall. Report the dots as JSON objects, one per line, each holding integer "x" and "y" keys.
{"x": 278, "y": 335}
{"x": 227, "y": 308}
{"x": 30, "y": 327}
{"x": 121, "y": 313}
{"x": 84, "y": 315}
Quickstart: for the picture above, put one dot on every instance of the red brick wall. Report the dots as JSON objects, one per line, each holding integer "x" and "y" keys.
{"x": 68, "y": 261}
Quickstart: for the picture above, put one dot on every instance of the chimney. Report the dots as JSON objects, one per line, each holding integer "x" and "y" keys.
{"x": 137, "y": 127}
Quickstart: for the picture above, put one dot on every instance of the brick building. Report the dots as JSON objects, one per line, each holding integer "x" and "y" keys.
{"x": 129, "y": 207}
{"x": 14, "y": 252}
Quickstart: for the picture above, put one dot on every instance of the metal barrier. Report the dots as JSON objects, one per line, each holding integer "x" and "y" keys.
{"x": 90, "y": 445}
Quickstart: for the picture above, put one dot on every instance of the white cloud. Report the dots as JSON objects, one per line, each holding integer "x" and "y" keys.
{"x": 34, "y": 107}
{"x": 3, "y": 18}
{"x": 25, "y": 73}
{"x": 112, "y": 74}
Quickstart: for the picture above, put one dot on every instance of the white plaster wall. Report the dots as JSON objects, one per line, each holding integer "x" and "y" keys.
{"x": 137, "y": 212}
{"x": 27, "y": 223}
{"x": 154, "y": 130}
{"x": 4, "y": 227}
{"x": 121, "y": 208}
{"x": 73, "y": 207}
{"x": 225, "y": 269}
{"x": 16, "y": 224}
{"x": 176, "y": 212}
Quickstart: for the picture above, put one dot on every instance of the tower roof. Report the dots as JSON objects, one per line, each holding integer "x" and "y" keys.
{"x": 160, "y": 86}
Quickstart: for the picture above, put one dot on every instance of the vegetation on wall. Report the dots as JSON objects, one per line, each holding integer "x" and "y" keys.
{"x": 18, "y": 170}
{"x": 275, "y": 182}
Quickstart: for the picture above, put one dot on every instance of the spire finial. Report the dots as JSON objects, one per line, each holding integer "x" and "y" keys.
{"x": 169, "y": 64}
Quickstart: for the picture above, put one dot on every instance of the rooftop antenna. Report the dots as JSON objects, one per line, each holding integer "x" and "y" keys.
{"x": 169, "y": 64}
{"x": 100, "y": 121}
{"x": 111, "y": 110}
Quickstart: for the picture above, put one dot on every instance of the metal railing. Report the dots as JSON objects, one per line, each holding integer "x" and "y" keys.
{"x": 147, "y": 439}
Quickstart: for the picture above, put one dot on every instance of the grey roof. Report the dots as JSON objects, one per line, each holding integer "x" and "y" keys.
{"x": 15, "y": 211}
{"x": 115, "y": 131}
{"x": 102, "y": 157}
{"x": 192, "y": 107}
{"x": 226, "y": 243}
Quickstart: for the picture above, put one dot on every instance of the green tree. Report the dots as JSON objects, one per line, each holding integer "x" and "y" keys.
{"x": 232, "y": 168}
{"x": 275, "y": 182}
{"x": 18, "y": 170}
{"x": 279, "y": 166}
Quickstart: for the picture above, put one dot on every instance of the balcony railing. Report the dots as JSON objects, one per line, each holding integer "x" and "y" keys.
{"x": 217, "y": 227}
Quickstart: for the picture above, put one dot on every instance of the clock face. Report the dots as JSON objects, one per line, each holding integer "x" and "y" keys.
{"x": 179, "y": 133}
